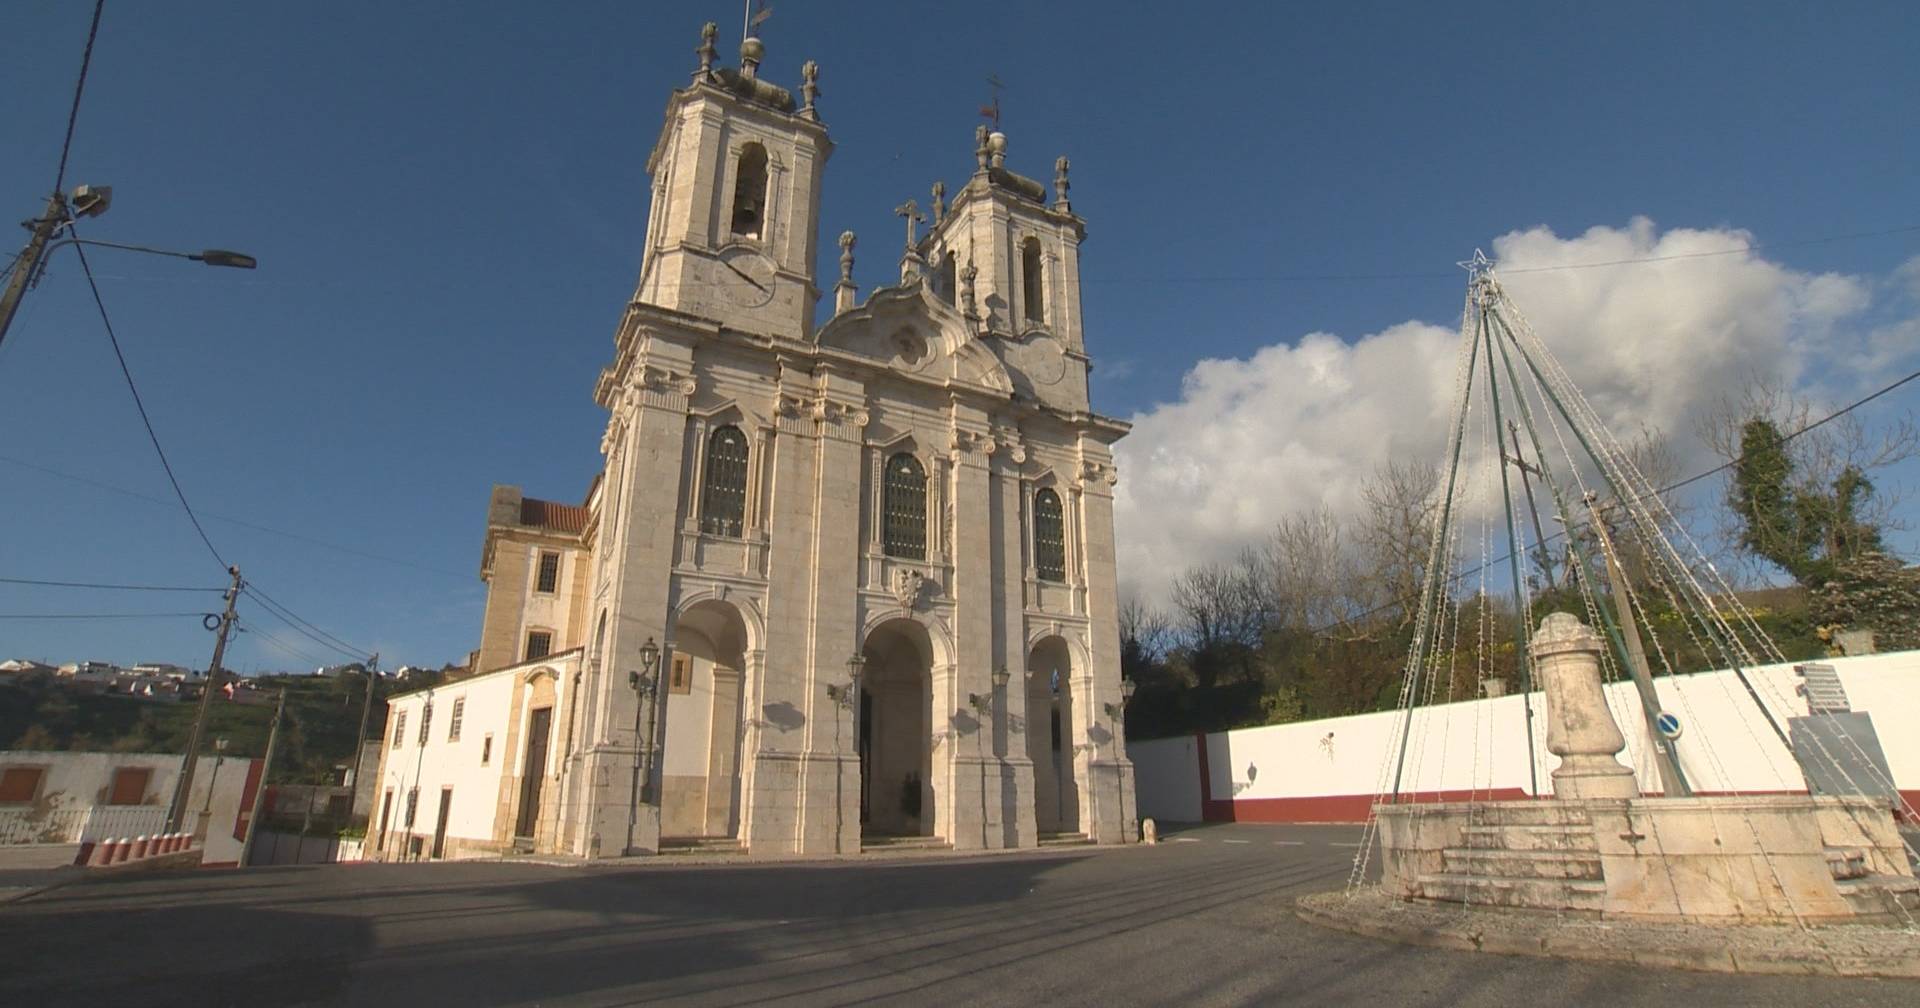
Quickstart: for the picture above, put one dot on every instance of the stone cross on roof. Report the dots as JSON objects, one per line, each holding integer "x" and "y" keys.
{"x": 911, "y": 211}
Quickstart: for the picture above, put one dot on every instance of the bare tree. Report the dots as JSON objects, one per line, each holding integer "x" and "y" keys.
{"x": 1221, "y": 617}
{"x": 1394, "y": 534}
{"x": 1143, "y": 628}
{"x": 1309, "y": 573}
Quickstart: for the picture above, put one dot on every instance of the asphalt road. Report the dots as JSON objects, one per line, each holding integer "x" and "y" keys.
{"x": 1204, "y": 918}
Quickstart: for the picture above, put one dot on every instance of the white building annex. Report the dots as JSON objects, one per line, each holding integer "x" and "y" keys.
{"x": 837, "y": 581}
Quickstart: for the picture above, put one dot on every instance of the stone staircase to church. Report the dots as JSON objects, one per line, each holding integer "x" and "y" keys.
{"x": 1064, "y": 840}
{"x": 894, "y": 842}
{"x": 1521, "y": 855}
{"x": 700, "y": 845}
{"x": 1871, "y": 894}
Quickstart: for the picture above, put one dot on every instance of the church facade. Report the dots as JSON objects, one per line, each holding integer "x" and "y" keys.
{"x": 838, "y": 582}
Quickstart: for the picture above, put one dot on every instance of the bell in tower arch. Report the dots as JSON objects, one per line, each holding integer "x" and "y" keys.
{"x": 750, "y": 191}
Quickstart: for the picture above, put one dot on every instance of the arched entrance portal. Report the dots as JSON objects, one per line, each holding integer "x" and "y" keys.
{"x": 700, "y": 687}
{"x": 1050, "y": 700}
{"x": 896, "y": 756}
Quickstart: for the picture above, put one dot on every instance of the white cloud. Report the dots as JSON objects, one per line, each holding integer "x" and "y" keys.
{"x": 1303, "y": 421}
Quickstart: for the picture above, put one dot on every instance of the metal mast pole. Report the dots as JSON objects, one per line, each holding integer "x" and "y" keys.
{"x": 1523, "y": 650}
{"x": 182, "y": 787}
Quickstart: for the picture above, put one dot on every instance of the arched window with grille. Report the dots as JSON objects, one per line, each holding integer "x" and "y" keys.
{"x": 1049, "y": 537}
{"x": 723, "y": 495}
{"x": 903, "y": 530}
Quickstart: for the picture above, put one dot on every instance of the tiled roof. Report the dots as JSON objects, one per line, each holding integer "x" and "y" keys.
{"x": 555, "y": 517}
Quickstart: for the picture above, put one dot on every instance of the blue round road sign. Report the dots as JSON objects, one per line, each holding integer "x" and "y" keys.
{"x": 1668, "y": 725}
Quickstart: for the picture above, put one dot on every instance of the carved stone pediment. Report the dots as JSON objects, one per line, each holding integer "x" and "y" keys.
{"x": 916, "y": 332}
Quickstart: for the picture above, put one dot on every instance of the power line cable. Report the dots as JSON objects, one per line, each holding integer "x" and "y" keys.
{"x": 79, "y": 86}
{"x": 100, "y": 616}
{"x": 292, "y": 619}
{"x": 105, "y": 587}
{"x": 87, "y": 269}
{"x": 243, "y": 523}
{"x": 310, "y": 636}
{"x": 264, "y": 634}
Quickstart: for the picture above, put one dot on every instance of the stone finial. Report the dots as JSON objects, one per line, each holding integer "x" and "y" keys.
{"x": 706, "y": 52}
{"x": 939, "y": 203}
{"x": 752, "y": 51}
{"x": 981, "y": 152}
{"x": 997, "y": 143}
{"x": 809, "y": 88}
{"x": 1060, "y": 183}
{"x": 1580, "y": 728}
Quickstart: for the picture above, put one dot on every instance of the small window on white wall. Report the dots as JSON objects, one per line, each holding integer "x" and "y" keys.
{"x": 399, "y": 727}
{"x": 453, "y": 723}
{"x": 486, "y": 749}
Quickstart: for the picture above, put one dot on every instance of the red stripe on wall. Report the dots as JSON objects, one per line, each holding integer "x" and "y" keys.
{"x": 254, "y": 768}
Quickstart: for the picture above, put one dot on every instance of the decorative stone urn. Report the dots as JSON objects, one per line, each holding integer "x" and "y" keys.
{"x": 1580, "y": 728}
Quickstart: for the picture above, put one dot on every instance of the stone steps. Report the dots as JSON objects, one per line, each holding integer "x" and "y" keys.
{"x": 1847, "y": 863}
{"x": 1540, "y": 838}
{"x": 1529, "y": 813}
{"x": 1064, "y": 839}
{"x": 1895, "y": 895}
{"x": 700, "y": 845}
{"x": 879, "y": 843}
{"x": 1527, "y": 893}
{"x": 1529, "y": 864}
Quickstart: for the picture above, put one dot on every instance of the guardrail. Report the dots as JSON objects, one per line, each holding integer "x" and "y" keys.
{"x": 77, "y": 825}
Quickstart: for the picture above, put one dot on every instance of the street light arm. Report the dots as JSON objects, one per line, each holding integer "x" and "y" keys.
{"x": 212, "y": 257}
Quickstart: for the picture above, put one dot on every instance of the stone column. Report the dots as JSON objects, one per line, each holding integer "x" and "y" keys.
{"x": 1580, "y": 728}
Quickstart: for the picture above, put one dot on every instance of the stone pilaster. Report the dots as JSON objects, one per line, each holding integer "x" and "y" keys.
{"x": 1106, "y": 811}
{"x": 962, "y": 793}
{"x": 654, "y": 408}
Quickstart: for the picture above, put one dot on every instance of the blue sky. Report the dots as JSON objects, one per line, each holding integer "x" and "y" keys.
{"x": 447, "y": 201}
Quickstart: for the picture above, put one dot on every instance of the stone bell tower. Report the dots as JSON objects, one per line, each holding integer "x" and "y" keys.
{"x": 1010, "y": 259}
{"x": 736, "y": 198}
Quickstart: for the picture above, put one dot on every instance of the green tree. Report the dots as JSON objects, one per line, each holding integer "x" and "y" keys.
{"x": 1806, "y": 528}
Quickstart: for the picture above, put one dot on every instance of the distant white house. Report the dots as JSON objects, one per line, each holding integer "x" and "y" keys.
{"x": 68, "y": 797}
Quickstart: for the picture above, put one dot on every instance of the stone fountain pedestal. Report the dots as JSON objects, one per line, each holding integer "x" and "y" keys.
{"x": 1598, "y": 847}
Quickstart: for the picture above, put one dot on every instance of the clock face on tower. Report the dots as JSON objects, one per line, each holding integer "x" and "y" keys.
{"x": 745, "y": 278}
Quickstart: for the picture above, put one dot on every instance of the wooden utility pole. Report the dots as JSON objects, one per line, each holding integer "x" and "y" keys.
{"x": 1673, "y": 782}
{"x": 28, "y": 264}
{"x": 360, "y": 745}
{"x": 260, "y": 786}
{"x": 183, "y": 786}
